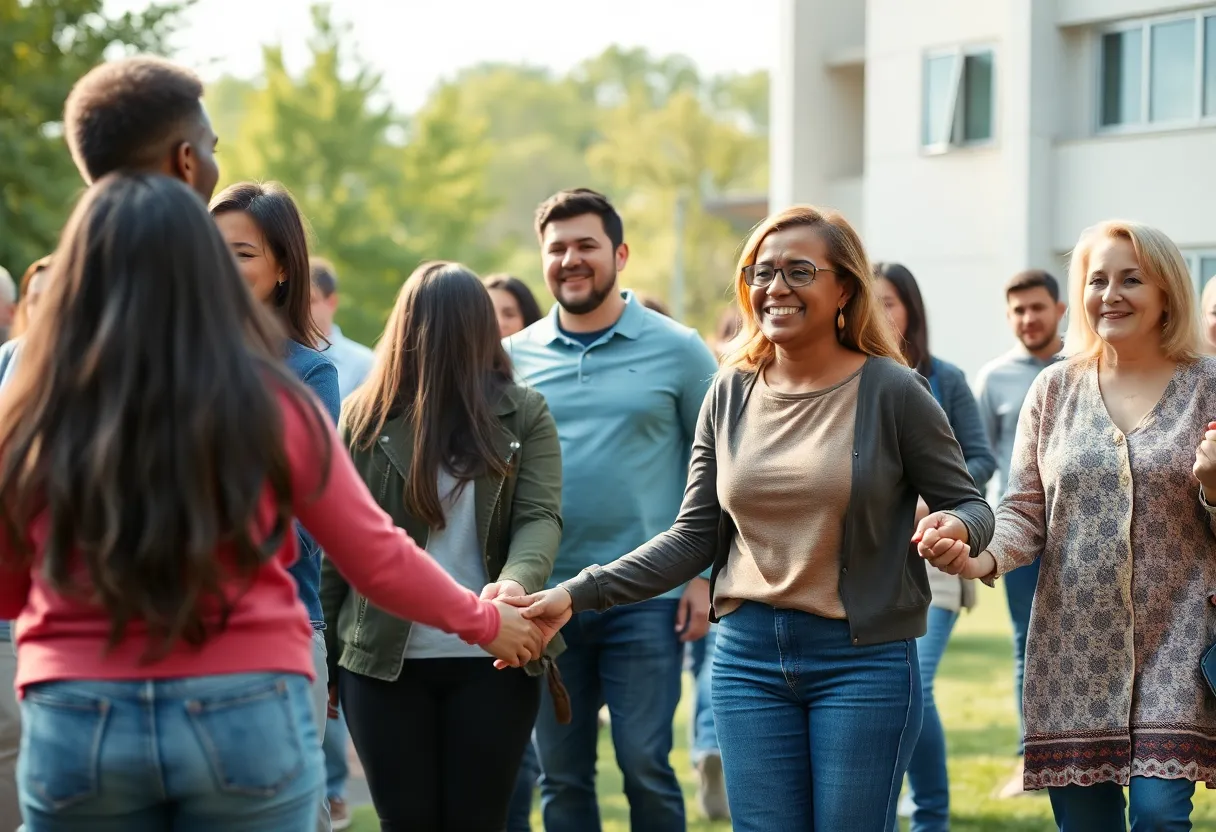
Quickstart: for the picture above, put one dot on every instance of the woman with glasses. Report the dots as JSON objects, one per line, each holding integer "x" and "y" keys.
{"x": 813, "y": 445}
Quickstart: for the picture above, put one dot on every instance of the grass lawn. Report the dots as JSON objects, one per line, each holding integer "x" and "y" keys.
{"x": 974, "y": 693}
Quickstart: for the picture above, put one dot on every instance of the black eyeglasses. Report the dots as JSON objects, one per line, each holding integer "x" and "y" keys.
{"x": 794, "y": 274}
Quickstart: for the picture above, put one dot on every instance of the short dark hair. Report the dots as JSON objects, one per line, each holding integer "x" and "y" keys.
{"x": 655, "y": 305}
{"x": 1033, "y": 279}
{"x": 529, "y": 309}
{"x": 271, "y": 207}
{"x": 565, "y": 205}
{"x": 122, "y": 115}
{"x": 323, "y": 275}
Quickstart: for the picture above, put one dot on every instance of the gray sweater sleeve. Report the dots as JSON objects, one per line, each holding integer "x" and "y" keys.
{"x": 933, "y": 461}
{"x": 677, "y": 555}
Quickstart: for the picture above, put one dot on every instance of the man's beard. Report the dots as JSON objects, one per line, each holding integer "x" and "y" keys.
{"x": 593, "y": 301}
{"x": 1044, "y": 342}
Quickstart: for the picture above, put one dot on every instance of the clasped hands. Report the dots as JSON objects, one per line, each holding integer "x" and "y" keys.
{"x": 941, "y": 539}
{"x": 523, "y": 634}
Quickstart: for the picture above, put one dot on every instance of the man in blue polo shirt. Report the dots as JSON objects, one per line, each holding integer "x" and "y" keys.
{"x": 625, "y": 386}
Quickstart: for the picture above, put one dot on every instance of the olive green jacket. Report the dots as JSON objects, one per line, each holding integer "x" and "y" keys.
{"x": 518, "y": 523}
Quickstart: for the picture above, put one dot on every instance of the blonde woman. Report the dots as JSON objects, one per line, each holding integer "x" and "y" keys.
{"x": 1104, "y": 489}
{"x": 812, "y": 447}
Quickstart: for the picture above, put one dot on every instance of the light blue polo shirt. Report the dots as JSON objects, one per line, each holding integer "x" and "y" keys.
{"x": 626, "y": 409}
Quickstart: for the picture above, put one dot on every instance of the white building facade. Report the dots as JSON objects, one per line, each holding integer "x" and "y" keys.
{"x": 971, "y": 139}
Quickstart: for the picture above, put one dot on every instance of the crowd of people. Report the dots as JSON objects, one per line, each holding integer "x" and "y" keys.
{"x": 234, "y": 538}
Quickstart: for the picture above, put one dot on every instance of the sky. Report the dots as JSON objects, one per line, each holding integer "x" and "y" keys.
{"x": 418, "y": 43}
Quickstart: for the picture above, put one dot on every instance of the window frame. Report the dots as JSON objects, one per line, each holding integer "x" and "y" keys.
{"x": 955, "y": 140}
{"x": 1145, "y": 26}
{"x": 1194, "y": 257}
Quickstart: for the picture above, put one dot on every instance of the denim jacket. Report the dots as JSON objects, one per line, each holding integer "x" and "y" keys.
{"x": 319, "y": 374}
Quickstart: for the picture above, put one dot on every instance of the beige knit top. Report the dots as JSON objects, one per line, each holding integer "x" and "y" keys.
{"x": 787, "y": 487}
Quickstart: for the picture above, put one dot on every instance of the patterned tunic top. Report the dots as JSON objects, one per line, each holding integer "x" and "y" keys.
{"x": 1121, "y": 615}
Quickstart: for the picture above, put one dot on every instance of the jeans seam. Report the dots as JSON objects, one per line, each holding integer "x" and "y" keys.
{"x": 790, "y": 683}
{"x": 888, "y": 820}
{"x": 154, "y": 742}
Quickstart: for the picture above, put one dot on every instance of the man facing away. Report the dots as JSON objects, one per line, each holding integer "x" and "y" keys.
{"x": 1034, "y": 310}
{"x": 138, "y": 114}
{"x": 625, "y": 386}
{"x": 352, "y": 360}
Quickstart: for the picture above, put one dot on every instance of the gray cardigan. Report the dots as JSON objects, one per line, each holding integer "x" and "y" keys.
{"x": 902, "y": 447}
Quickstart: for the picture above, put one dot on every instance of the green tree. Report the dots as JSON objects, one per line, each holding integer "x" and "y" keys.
{"x": 380, "y": 193}
{"x": 45, "y": 46}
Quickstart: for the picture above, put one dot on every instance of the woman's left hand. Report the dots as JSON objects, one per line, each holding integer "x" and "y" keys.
{"x": 1205, "y": 461}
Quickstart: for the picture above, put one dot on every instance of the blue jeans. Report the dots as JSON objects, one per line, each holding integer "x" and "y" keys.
{"x": 927, "y": 780}
{"x": 629, "y": 658}
{"x": 1019, "y": 591}
{"x": 337, "y": 770}
{"x": 236, "y": 752}
{"x": 1155, "y": 806}
{"x": 519, "y": 813}
{"x": 816, "y": 732}
{"x": 704, "y": 737}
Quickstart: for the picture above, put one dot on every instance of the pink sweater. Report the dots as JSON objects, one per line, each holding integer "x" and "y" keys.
{"x": 63, "y": 638}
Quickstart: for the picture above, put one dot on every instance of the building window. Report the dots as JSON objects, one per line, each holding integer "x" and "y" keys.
{"x": 1160, "y": 71}
{"x": 958, "y": 98}
{"x": 1202, "y": 265}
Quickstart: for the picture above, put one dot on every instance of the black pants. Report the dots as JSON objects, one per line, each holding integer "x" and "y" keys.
{"x": 441, "y": 745}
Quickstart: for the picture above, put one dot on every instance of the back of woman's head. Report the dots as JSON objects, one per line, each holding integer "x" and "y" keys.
{"x": 274, "y": 212}
{"x": 141, "y": 424}
{"x": 915, "y": 338}
{"x": 441, "y": 365}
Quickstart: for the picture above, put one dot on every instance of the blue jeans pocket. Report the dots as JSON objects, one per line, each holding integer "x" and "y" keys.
{"x": 251, "y": 736}
{"x": 61, "y": 745}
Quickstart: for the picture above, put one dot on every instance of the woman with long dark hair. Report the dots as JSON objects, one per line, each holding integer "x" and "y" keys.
{"x": 263, "y": 228}
{"x": 153, "y": 453}
{"x": 469, "y": 462}
{"x": 899, "y": 294}
{"x": 515, "y": 306}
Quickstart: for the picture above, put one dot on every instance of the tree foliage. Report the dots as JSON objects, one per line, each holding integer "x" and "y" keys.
{"x": 45, "y": 46}
{"x": 459, "y": 179}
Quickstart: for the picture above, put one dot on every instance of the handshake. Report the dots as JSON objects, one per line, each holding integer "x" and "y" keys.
{"x": 529, "y": 622}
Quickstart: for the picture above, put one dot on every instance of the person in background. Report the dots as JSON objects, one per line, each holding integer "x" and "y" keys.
{"x": 812, "y": 448}
{"x": 8, "y": 304}
{"x": 1034, "y": 310}
{"x": 704, "y": 753}
{"x": 142, "y": 114}
{"x": 1109, "y": 493}
{"x": 263, "y": 228}
{"x": 32, "y": 286}
{"x": 163, "y": 656}
{"x": 1207, "y": 311}
{"x": 624, "y": 385}
{"x": 514, "y": 304}
{"x": 897, "y": 291}
{"x": 655, "y": 305}
{"x": 469, "y": 462}
{"x": 352, "y": 360}
{"x": 727, "y": 330}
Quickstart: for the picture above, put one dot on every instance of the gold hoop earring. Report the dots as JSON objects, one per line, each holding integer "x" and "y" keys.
{"x": 840, "y": 318}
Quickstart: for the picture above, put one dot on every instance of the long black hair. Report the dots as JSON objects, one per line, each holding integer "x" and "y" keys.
{"x": 915, "y": 340}
{"x": 146, "y": 424}
{"x": 441, "y": 365}
{"x": 272, "y": 208}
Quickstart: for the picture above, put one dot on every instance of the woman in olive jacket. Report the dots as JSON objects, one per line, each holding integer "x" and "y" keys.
{"x": 469, "y": 464}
